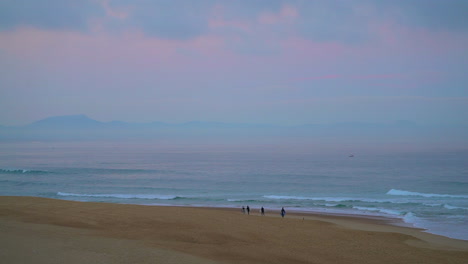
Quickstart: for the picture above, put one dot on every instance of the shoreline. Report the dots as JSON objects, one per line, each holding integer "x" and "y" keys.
{"x": 354, "y": 221}
{"x": 318, "y": 215}
{"x": 44, "y": 230}
{"x": 324, "y": 215}
{"x": 377, "y": 219}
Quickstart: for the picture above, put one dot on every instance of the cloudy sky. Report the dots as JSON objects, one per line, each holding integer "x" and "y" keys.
{"x": 253, "y": 61}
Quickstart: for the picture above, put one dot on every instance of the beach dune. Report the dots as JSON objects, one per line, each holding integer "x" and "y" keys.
{"x": 40, "y": 230}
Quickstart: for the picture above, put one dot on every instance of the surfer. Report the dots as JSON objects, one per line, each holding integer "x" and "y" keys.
{"x": 283, "y": 212}
{"x": 262, "y": 211}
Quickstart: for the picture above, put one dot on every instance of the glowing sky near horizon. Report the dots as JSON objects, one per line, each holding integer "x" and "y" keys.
{"x": 271, "y": 61}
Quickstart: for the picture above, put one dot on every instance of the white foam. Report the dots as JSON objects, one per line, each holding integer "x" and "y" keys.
{"x": 122, "y": 196}
{"x": 379, "y": 210}
{"x": 14, "y": 170}
{"x": 328, "y": 199}
{"x": 288, "y": 197}
{"x": 432, "y": 204}
{"x": 334, "y": 199}
{"x": 450, "y": 229}
{"x": 451, "y": 207}
{"x": 408, "y": 193}
{"x": 240, "y": 200}
{"x": 411, "y": 219}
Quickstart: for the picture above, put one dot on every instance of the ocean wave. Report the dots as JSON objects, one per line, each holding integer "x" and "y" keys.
{"x": 327, "y": 199}
{"x": 24, "y": 183}
{"x": 123, "y": 196}
{"x": 334, "y": 199}
{"x": 280, "y": 197}
{"x": 432, "y": 204}
{"x": 336, "y": 205}
{"x": 21, "y": 171}
{"x": 451, "y": 207}
{"x": 410, "y": 218}
{"x": 428, "y": 195}
{"x": 123, "y": 171}
{"x": 242, "y": 200}
{"x": 380, "y": 210}
{"x": 446, "y": 206}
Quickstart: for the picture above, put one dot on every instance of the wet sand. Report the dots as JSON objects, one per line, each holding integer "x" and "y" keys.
{"x": 39, "y": 230}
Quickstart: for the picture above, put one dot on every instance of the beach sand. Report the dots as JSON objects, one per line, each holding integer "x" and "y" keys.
{"x": 39, "y": 230}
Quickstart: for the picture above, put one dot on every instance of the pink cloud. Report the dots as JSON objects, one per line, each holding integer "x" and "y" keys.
{"x": 399, "y": 39}
{"x": 63, "y": 46}
{"x": 212, "y": 51}
{"x": 105, "y": 58}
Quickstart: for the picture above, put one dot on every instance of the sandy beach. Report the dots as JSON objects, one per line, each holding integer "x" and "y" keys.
{"x": 39, "y": 230}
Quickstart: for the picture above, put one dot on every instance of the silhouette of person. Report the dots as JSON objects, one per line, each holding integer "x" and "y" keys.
{"x": 262, "y": 210}
{"x": 283, "y": 212}
{"x": 243, "y": 209}
{"x": 248, "y": 209}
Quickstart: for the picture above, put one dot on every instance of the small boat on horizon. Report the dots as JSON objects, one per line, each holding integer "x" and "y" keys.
{"x": 351, "y": 155}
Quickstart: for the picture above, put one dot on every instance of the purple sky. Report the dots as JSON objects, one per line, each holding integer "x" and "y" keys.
{"x": 279, "y": 62}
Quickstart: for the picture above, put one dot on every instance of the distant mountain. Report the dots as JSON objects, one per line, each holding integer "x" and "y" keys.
{"x": 84, "y": 122}
{"x": 64, "y": 122}
{"x": 81, "y": 127}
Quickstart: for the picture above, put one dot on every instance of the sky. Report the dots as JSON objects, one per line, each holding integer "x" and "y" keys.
{"x": 253, "y": 61}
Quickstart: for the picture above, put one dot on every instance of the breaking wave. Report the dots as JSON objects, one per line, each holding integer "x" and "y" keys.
{"x": 123, "y": 196}
{"x": 21, "y": 171}
{"x": 380, "y": 210}
{"x": 451, "y": 207}
{"x": 332, "y": 199}
{"x": 427, "y": 195}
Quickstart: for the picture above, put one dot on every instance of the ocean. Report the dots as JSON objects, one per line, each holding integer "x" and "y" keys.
{"x": 424, "y": 189}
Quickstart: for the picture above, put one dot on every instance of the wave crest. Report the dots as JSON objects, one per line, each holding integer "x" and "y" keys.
{"x": 329, "y": 199}
{"x": 428, "y": 195}
{"x": 123, "y": 196}
{"x": 20, "y": 171}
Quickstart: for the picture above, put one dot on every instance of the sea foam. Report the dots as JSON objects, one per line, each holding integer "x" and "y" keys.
{"x": 334, "y": 199}
{"x": 380, "y": 210}
{"x": 428, "y": 195}
{"x": 328, "y": 199}
{"x": 20, "y": 171}
{"x": 451, "y": 207}
{"x": 122, "y": 196}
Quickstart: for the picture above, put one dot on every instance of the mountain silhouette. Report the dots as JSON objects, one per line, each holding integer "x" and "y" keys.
{"x": 69, "y": 121}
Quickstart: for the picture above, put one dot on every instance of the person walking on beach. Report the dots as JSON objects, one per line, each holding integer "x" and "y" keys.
{"x": 243, "y": 209}
{"x": 248, "y": 210}
{"x": 283, "y": 212}
{"x": 262, "y": 211}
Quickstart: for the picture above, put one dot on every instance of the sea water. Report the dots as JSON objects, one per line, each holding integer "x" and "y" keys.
{"x": 424, "y": 189}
